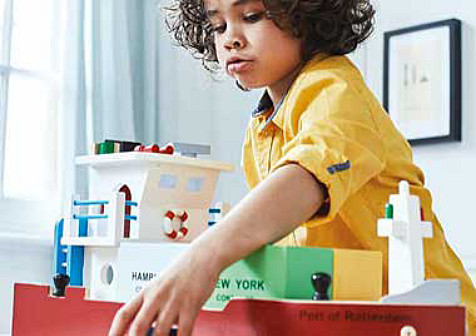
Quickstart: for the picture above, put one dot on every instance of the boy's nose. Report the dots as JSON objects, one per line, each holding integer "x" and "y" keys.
{"x": 234, "y": 44}
{"x": 235, "y": 41}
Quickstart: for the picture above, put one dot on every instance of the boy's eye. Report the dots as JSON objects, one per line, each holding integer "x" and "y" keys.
{"x": 254, "y": 17}
{"x": 250, "y": 18}
{"x": 219, "y": 29}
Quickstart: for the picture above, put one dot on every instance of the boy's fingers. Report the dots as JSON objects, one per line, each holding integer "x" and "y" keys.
{"x": 144, "y": 318}
{"x": 125, "y": 315}
{"x": 165, "y": 320}
{"x": 185, "y": 327}
{"x": 186, "y": 322}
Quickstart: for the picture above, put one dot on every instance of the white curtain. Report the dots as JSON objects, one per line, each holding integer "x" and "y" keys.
{"x": 109, "y": 73}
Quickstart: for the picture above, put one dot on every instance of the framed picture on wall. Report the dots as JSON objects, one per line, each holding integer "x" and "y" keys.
{"x": 422, "y": 81}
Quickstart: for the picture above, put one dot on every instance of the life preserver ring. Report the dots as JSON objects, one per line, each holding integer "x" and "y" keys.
{"x": 168, "y": 224}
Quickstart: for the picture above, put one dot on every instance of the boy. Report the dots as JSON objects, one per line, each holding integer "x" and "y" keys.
{"x": 319, "y": 149}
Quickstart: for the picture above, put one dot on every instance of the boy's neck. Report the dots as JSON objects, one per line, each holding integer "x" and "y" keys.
{"x": 277, "y": 90}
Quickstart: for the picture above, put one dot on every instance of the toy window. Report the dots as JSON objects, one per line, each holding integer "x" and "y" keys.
{"x": 167, "y": 181}
{"x": 127, "y": 223}
{"x": 195, "y": 184}
{"x": 107, "y": 274}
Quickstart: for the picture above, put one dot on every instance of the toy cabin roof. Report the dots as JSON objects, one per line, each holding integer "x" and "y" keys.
{"x": 144, "y": 159}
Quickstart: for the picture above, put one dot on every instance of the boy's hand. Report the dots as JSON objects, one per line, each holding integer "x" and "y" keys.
{"x": 175, "y": 297}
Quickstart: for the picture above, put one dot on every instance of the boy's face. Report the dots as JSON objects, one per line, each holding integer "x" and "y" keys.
{"x": 249, "y": 46}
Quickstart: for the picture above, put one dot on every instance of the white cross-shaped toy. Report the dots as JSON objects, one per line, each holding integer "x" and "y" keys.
{"x": 405, "y": 232}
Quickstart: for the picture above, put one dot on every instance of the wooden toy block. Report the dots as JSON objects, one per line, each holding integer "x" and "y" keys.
{"x": 271, "y": 272}
{"x": 127, "y": 146}
{"x": 191, "y": 150}
{"x": 95, "y": 148}
{"x": 358, "y": 275}
{"x": 106, "y": 148}
{"x": 285, "y": 273}
{"x": 124, "y": 146}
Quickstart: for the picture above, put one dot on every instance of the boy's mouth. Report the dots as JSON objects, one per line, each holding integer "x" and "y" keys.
{"x": 237, "y": 64}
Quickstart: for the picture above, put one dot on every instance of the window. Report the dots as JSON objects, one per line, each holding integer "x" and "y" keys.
{"x": 29, "y": 98}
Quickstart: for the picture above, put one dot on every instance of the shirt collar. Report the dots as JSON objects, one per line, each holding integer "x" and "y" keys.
{"x": 272, "y": 118}
{"x": 265, "y": 103}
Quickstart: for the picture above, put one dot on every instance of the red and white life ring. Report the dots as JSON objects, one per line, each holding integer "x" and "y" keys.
{"x": 171, "y": 218}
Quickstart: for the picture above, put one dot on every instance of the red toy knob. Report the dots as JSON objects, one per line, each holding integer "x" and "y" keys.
{"x": 169, "y": 149}
{"x": 152, "y": 149}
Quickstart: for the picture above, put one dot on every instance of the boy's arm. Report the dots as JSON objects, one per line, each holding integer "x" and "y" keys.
{"x": 287, "y": 198}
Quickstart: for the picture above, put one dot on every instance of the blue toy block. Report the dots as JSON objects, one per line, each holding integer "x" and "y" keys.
{"x": 75, "y": 265}
{"x": 59, "y": 252}
{"x": 83, "y": 227}
{"x": 212, "y": 214}
{"x": 75, "y": 257}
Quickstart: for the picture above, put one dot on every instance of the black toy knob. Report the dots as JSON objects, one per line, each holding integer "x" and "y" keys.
{"x": 173, "y": 331}
{"x": 321, "y": 282}
{"x": 61, "y": 281}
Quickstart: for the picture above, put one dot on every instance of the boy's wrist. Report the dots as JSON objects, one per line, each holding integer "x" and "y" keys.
{"x": 208, "y": 255}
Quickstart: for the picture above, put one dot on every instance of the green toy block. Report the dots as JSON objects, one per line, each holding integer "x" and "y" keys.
{"x": 106, "y": 148}
{"x": 273, "y": 272}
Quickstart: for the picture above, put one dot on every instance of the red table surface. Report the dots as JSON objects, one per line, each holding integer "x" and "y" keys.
{"x": 35, "y": 312}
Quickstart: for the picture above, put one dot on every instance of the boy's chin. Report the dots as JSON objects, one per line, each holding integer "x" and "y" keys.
{"x": 249, "y": 85}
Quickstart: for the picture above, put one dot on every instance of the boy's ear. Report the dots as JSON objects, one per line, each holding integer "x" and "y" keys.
{"x": 241, "y": 87}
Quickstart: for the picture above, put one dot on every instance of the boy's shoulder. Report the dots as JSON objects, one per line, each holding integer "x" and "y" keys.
{"x": 333, "y": 84}
{"x": 330, "y": 68}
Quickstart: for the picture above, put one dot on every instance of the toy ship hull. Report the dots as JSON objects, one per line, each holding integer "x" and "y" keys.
{"x": 35, "y": 312}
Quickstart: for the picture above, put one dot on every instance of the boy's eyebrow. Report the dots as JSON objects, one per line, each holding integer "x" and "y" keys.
{"x": 212, "y": 12}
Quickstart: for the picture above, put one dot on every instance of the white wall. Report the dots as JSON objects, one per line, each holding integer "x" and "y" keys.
{"x": 449, "y": 168}
{"x": 24, "y": 256}
{"x": 22, "y": 259}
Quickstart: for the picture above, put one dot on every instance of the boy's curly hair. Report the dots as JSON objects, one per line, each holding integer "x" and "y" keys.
{"x": 334, "y": 27}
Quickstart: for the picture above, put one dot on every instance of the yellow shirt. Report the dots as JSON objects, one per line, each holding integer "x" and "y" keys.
{"x": 330, "y": 123}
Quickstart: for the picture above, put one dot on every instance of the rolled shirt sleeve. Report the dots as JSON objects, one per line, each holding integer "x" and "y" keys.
{"x": 332, "y": 134}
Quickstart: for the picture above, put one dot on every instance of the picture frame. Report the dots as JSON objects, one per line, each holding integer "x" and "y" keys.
{"x": 422, "y": 81}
